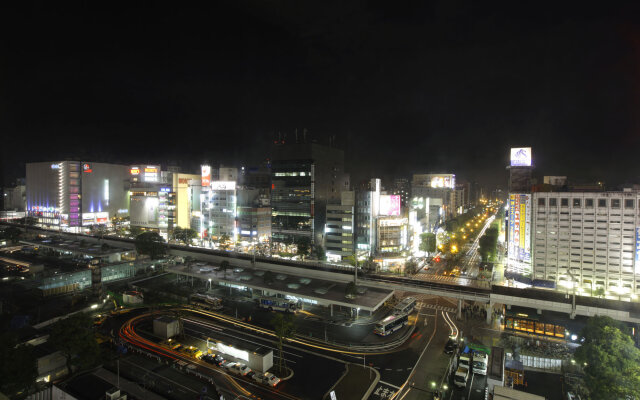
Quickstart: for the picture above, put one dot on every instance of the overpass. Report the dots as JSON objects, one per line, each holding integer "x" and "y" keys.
{"x": 539, "y": 299}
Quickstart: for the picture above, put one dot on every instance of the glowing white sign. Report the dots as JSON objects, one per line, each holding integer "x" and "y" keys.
{"x": 223, "y": 185}
{"x": 233, "y": 352}
{"x": 390, "y": 205}
{"x": 521, "y": 156}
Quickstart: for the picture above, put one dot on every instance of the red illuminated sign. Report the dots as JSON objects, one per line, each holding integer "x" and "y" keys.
{"x": 87, "y": 168}
{"x": 135, "y": 171}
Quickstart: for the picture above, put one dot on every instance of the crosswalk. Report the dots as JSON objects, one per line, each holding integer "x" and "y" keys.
{"x": 438, "y": 307}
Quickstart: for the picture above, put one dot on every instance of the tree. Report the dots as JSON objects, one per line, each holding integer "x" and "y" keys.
{"x": 74, "y": 337}
{"x": 428, "y": 242}
{"x": 487, "y": 244}
{"x": 320, "y": 253}
{"x": 610, "y": 359}
{"x": 599, "y": 292}
{"x": 184, "y": 235}
{"x": 224, "y": 266}
{"x": 268, "y": 277}
{"x": 18, "y": 366}
{"x": 303, "y": 245}
{"x": 351, "y": 291}
{"x": 135, "y": 231}
{"x": 151, "y": 244}
{"x": 224, "y": 242}
{"x": 411, "y": 267}
{"x": 13, "y": 234}
{"x": 284, "y": 328}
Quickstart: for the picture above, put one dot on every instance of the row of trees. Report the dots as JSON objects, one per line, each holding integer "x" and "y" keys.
{"x": 488, "y": 243}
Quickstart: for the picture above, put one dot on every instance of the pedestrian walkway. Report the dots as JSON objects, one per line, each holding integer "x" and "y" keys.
{"x": 437, "y": 307}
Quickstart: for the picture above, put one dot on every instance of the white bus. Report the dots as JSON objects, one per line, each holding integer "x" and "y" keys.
{"x": 278, "y": 304}
{"x": 391, "y": 323}
{"x": 406, "y": 306}
{"x": 206, "y": 302}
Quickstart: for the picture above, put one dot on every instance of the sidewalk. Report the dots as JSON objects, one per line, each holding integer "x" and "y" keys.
{"x": 357, "y": 383}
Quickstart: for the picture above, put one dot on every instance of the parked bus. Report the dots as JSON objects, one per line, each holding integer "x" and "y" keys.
{"x": 278, "y": 304}
{"x": 206, "y": 302}
{"x": 406, "y": 306}
{"x": 391, "y": 323}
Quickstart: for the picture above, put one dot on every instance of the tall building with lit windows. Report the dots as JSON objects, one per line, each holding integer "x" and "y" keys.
{"x": 339, "y": 229}
{"x": 72, "y": 195}
{"x": 305, "y": 177}
{"x": 587, "y": 240}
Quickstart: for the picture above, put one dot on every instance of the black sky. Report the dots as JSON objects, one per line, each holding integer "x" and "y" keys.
{"x": 444, "y": 86}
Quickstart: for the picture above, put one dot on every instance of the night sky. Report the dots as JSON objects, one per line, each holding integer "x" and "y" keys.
{"x": 445, "y": 86}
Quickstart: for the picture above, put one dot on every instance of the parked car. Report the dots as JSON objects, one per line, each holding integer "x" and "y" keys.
{"x": 266, "y": 378}
{"x": 219, "y": 360}
{"x": 240, "y": 369}
{"x": 228, "y": 365}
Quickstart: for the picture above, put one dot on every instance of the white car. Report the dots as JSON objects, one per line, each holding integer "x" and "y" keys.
{"x": 241, "y": 369}
{"x": 228, "y": 365}
{"x": 268, "y": 378}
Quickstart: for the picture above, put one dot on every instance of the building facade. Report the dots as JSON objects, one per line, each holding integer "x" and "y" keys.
{"x": 587, "y": 240}
{"x": 70, "y": 195}
{"x": 367, "y": 206}
{"x": 305, "y": 177}
{"x": 339, "y": 229}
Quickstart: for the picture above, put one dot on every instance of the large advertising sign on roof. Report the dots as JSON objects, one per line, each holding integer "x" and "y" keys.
{"x": 390, "y": 205}
{"x": 223, "y": 185}
{"x": 206, "y": 175}
{"x": 521, "y": 156}
{"x": 443, "y": 181}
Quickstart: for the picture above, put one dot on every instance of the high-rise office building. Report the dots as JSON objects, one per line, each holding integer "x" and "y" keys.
{"x": 367, "y": 207}
{"x": 339, "y": 229}
{"x": 437, "y": 186}
{"x": 305, "y": 177}
{"x": 70, "y": 195}
{"x": 587, "y": 240}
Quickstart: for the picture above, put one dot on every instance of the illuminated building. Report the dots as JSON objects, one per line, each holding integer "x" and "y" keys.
{"x": 339, "y": 229}
{"x": 70, "y": 195}
{"x": 587, "y": 240}
{"x": 367, "y": 208}
{"x": 305, "y": 177}
{"x": 438, "y": 186}
{"x": 219, "y": 210}
{"x": 161, "y": 200}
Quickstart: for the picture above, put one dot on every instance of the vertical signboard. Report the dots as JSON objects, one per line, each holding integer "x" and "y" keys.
{"x": 527, "y": 234}
{"x": 512, "y": 212}
{"x": 637, "y": 266}
{"x": 206, "y": 176}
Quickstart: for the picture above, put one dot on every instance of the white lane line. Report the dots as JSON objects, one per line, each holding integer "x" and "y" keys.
{"x": 389, "y": 384}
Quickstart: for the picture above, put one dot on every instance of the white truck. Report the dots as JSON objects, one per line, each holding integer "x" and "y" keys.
{"x": 461, "y": 377}
{"x": 480, "y": 361}
{"x": 465, "y": 360}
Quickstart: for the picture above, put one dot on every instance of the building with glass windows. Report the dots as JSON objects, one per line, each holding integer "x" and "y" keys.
{"x": 72, "y": 195}
{"x": 305, "y": 177}
{"x": 587, "y": 241}
{"x": 339, "y": 230}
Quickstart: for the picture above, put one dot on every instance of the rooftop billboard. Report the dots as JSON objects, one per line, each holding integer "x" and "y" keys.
{"x": 390, "y": 205}
{"x": 521, "y": 156}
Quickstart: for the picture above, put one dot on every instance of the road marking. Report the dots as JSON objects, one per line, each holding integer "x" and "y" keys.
{"x": 387, "y": 369}
{"x": 399, "y": 369}
{"x": 389, "y": 384}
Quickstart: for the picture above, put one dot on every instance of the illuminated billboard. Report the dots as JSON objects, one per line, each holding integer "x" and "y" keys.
{"x": 521, "y": 156}
{"x": 134, "y": 171}
{"x": 223, "y": 185}
{"x": 390, "y": 205}
{"x": 86, "y": 167}
{"x": 152, "y": 173}
{"x": 206, "y": 175}
{"x": 442, "y": 181}
{"x": 519, "y": 245}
